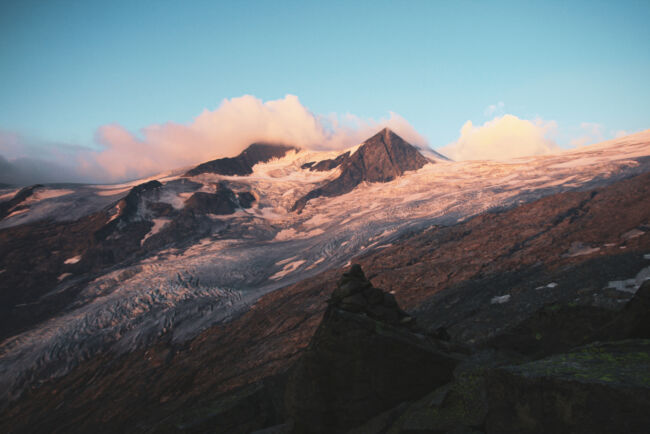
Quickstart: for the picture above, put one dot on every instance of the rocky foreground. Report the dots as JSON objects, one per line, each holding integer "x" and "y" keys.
{"x": 370, "y": 369}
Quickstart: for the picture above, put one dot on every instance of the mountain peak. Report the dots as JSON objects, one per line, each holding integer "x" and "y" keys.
{"x": 381, "y": 158}
{"x": 242, "y": 164}
{"x": 385, "y": 132}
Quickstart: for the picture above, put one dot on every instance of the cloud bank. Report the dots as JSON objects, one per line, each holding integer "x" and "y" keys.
{"x": 225, "y": 131}
{"x": 502, "y": 138}
{"x": 26, "y": 161}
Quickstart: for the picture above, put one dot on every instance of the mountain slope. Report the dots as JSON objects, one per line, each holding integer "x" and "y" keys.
{"x": 381, "y": 158}
{"x": 157, "y": 265}
{"x": 464, "y": 266}
{"x": 243, "y": 163}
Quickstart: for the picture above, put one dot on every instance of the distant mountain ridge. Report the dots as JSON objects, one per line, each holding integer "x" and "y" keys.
{"x": 381, "y": 158}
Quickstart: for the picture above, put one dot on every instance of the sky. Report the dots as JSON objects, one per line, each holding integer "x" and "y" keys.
{"x": 88, "y": 86}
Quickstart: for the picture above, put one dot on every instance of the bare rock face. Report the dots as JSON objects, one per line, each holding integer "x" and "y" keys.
{"x": 13, "y": 204}
{"x": 381, "y": 158}
{"x": 243, "y": 163}
{"x": 325, "y": 165}
{"x": 601, "y": 388}
{"x": 355, "y": 293}
{"x": 357, "y": 366}
{"x": 634, "y": 320}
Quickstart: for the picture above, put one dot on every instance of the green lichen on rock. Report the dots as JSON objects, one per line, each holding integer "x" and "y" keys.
{"x": 623, "y": 362}
{"x": 602, "y": 387}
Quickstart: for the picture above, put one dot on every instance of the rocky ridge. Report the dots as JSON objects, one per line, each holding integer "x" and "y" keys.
{"x": 355, "y": 293}
{"x": 121, "y": 233}
{"x": 243, "y": 163}
{"x": 381, "y": 158}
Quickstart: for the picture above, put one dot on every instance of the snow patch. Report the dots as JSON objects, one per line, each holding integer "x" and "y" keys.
{"x": 63, "y": 276}
{"x": 72, "y": 260}
{"x": 117, "y": 212}
{"x": 550, "y": 285}
{"x": 315, "y": 263}
{"x": 634, "y": 233}
{"x": 111, "y": 192}
{"x": 289, "y": 268}
{"x": 500, "y": 299}
{"x": 48, "y": 194}
{"x": 292, "y": 234}
{"x": 19, "y": 212}
{"x": 631, "y": 285}
{"x": 580, "y": 249}
{"x": 9, "y": 195}
{"x": 158, "y": 224}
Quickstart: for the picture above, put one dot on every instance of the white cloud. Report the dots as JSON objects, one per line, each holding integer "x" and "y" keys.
{"x": 503, "y": 138}
{"x": 229, "y": 129}
{"x": 225, "y": 131}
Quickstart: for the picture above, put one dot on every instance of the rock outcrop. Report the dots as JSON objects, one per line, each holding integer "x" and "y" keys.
{"x": 358, "y": 365}
{"x": 381, "y": 158}
{"x": 355, "y": 293}
{"x": 13, "y": 204}
{"x": 243, "y": 163}
{"x": 601, "y": 388}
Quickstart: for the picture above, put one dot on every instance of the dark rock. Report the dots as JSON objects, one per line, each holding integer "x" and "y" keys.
{"x": 222, "y": 202}
{"x": 325, "y": 165}
{"x": 354, "y": 303}
{"x": 381, "y": 423}
{"x": 389, "y": 300}
{"x": 385, "y": 314}
{"x": 245, "y": 199}
{"x": 553, "y": 329}
{"x": 634, "y": 320}
{"x": 356, "y": 367}
{"x": 285, "y": 428}
{"x": 136, "y": 195}
{"x": 130, "y": 210}
{"x": 355, "y": 293}
{"x": 442, "y": 334}
{"x": 601, "y": 388}
{"x": 243, "y": 163}
{"x": 374, "y": 295}
{"x": 354, "y": 273}
{"x": 12, "y": 204}
{"x": 381, "y": 158}
{"x": 460, "y": 406}
{"x": 255, "y": 407}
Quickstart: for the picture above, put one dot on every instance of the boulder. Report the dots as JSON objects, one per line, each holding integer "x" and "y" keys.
{"x": 356, "y": 367}
{"x": 600, "y": 388}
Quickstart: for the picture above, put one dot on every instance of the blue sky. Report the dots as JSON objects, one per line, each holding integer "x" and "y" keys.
{"x": 68, "y": 67}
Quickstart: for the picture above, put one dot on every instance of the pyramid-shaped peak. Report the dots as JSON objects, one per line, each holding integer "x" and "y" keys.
{"x": 386, "y": 135}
